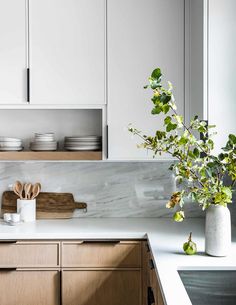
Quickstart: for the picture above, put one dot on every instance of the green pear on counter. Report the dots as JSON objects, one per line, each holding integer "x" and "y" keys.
{"x": 190, "y": 247}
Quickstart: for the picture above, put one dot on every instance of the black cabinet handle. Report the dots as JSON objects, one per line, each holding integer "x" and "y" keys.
{"x": 107, "y": 146}
{"x": 151, "y": 299}
{"x": 8, "y": 269}
{"x": 60, "y": 288}
{"x": 8, "y": 241}
{"x": 151, "y": 264}
{"x": 28, "y": 85}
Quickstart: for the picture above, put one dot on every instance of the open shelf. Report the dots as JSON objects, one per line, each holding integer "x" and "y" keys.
{"x": 50, "y": 155}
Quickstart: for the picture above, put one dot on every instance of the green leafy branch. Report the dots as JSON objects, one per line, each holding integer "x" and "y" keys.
{"x": 196, "y": 166}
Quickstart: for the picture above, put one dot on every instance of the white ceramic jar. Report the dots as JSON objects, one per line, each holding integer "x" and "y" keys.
{"x": 27, "y": 209}
{"x": 217, "y": 231}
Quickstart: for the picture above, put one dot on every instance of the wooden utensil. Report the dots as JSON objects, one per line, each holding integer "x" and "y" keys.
{"x": 48, "y": 205}
{"x": 27, "y": 190}
{"x": 18, "y": 189}
{"x": 36, "y": 188}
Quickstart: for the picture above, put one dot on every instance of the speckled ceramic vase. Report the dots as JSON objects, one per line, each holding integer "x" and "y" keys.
{"x": 217, "y": 231}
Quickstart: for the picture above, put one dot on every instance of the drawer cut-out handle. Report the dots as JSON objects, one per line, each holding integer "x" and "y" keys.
{"x": 8, "y": 269}
{"x": 151, "y": 264}
{"x": 8, "y": 241}
{"x": 100, "y": 242}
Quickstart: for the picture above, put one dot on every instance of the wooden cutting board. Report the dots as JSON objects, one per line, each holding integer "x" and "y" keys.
{"x": 48, "y": 205}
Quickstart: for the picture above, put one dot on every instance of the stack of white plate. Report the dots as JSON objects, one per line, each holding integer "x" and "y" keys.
{"x": 44, "y": 142}
{"x": 10, "y": 144}
{"x": 77, "y": 143}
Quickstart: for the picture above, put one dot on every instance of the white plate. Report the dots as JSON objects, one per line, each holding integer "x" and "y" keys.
{"x": 43, "y": 149}
{"x": 11, "y": 148}
{"x": 44, "y": 134}
{"x": 83, "y": 138}
{"x": 6, "y": 139}
{"x": 44, "y": 138}
{"x": 10, "y": 144}
{"x": 44, "y": 141}
{"x": 82, "y": 143}
{"x": 82, "y": 148}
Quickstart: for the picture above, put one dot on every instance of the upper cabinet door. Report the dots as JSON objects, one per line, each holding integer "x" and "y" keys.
{"x": 12, "y": 51}
{"x": 67, "y": 51}
{"x": 142, "y": 35}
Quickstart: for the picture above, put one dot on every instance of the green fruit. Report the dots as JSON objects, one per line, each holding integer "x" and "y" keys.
{"x": 190, "y": 247}
{"x": 179, "y": 216}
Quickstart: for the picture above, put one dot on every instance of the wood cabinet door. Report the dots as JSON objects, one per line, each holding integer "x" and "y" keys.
{"x": 12, "y": 51}
{"x": 67, "y": 51}
{"x": 142, "y": 35}
{"x": 100, "y": 287}
{"x": 158, "y": 299}
{"x": 29, "y": 287}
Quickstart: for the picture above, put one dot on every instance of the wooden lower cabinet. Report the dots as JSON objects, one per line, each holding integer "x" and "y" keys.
{"x": 152, "y": 294}
{"x": 101, "y": 287}
{"x": 29, "y": 287}
{"x": 158, "y": 300}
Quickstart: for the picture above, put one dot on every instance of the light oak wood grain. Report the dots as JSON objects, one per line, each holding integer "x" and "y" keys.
{"x": 33, "y": 254}
{"x": 51, "y": 155}
{"x": 25, "y": 287}
{"x": 122, "y": 254}
{"x": 101, "y": 287}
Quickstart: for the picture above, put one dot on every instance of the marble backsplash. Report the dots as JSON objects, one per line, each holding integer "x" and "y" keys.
{"x": 111, "y": 189}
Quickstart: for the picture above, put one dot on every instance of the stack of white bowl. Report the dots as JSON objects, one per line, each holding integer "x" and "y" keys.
{"x": 10, "y": 144}
{"x": 44, "y": 142}
{"x": 77, "y": 143}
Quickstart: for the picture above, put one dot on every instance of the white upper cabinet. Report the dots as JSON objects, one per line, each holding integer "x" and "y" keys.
{"x": 12, "y": 52}
{"x": 67, "y": 51}
{"x": 142, "y": 35}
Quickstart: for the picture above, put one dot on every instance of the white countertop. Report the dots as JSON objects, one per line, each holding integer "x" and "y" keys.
{"x": 165, "y": 237}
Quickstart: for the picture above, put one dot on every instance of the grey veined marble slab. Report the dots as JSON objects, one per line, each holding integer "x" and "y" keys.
{"x": 111, "y": 189}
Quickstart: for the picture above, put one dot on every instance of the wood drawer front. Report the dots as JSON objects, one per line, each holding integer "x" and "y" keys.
{"x": 29, "y": 254}
{"x": 122, "y": 254}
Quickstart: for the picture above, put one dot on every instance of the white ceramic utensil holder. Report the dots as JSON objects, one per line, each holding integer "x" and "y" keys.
{"x": 27, "y": 209}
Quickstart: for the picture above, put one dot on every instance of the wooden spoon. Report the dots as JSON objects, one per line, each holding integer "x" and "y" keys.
{"x": 18, "y": 189}
{"x": 35, "y": 190}
{"x": 27, "y": 189}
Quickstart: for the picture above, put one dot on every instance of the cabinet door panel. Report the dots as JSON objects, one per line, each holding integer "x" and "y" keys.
{"x": 67, "y": 51}
{"x": 29, "y": 287}
{"x": 142, "y": 35}
{"x": 12, "y": 51}
{"x": 101, "y": 287}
